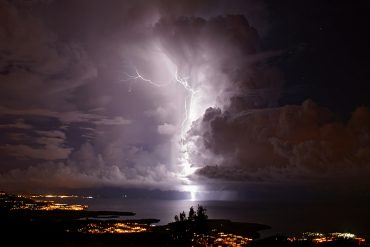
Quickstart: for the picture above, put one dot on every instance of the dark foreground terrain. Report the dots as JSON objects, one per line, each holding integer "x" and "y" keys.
{"x": 28, "y": 222}
{"x": 26, "y": 231}
{"x": 43, "y": 231}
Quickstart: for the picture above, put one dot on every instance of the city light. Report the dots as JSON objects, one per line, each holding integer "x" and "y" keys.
{"x": 220, "y": 239}
{"x": 320, "y": 238}
{"x": 23, "y": 202}
{"x": 114, "y": 228}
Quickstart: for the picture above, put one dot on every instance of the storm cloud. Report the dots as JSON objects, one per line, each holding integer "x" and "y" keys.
{"x": 292, "y": 142}
{"x": 113, "y": 93}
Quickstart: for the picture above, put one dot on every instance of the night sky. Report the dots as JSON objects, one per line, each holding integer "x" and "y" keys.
{"x": 231, "y": 100}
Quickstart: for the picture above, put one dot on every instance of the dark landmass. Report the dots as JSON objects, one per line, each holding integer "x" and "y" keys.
{"x": 282, "y": 241}
{"x": 42, "y": 231}
{"x": 28, "y": 227}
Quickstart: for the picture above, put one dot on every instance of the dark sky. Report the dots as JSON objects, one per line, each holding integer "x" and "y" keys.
{"x": 326, "y": 51}
{"x": 236, "y": 98}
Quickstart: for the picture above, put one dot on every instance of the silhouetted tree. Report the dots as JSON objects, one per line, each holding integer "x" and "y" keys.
{"x": 192, "y": 215}
{"x": 184, "y": 228}
{"x": 176, "y": 218}
{"x": 182, "y": 216}
{"x": 201, "y": 213}
{"x": 201, "y": 224}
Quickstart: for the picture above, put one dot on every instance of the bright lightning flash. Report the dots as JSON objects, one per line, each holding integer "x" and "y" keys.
{"x": 191, "y": 113}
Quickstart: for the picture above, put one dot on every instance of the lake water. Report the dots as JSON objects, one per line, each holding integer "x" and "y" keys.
{"x": 282, "y": 217}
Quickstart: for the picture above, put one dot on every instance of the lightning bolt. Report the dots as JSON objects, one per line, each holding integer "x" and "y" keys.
{"x": 184, "y": 82}
{"x": 184, "y": 158}
{"x": 138, "y": 76}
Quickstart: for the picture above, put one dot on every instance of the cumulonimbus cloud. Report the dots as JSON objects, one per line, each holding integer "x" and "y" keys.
{"x": 75, "y": 77}
{"x": 282, "y": 143}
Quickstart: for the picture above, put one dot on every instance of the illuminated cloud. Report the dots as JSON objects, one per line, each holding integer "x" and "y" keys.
{"x": 89, "y": 168}
{"x": 166, "y": 129}
{"x": 286, "y": 143}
